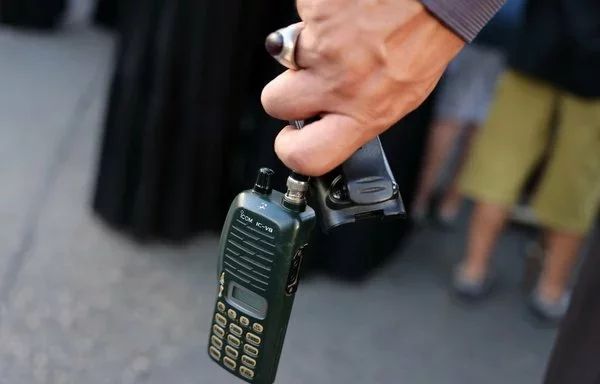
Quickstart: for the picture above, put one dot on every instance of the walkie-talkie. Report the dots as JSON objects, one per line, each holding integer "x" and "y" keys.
{"x": 260, "y": 254}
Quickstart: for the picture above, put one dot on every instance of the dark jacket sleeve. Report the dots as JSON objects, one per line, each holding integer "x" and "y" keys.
{"x": 465, "y": 17}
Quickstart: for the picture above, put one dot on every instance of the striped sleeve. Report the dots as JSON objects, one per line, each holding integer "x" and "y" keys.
{"x": 465, "y": 17}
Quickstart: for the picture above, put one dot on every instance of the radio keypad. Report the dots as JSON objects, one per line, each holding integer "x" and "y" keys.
{"x": 253, "y": 339}
{"x": 232, "y": 314}
{"x": 236, "y": 330}
{"x": 257, "y": 328}
{"x": 229, "y": 363}
{"x": 247, "y": 372}
{"x": 250, "y": 350}
{"x": 218, "y": 331}
{"x": 248, "y": 361}
{"x": 221, "y": 320}
{"x": 214, "y": 352}
{"x": 216, "y": 342}
{"x": 231, "y": 352}
{"x": 230, "y": 346}
{"x": 234, "y": 341}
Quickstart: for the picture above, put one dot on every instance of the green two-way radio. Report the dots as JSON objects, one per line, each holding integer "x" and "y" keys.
{"x": 260, "y": 254}
{"x": 261, "y": 250}
{"x": 259, "y": 262}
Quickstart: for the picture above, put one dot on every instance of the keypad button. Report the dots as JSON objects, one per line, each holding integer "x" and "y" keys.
{"x": 257, "y": 328}
{"x": 232, "y": 314}
{"x": 236, "y": 330}
{"x": 229, "y": 363}
{"x": 244, "y": 321}
{"x": 250, "y": 350}
{"x": 233, "y": 353}
{"x": 221, "y": 320}
{"x": 218, "y": 331}
{"x": 250, "y": 362}
{"x": 214, "y": 353}
{"x": 220, "y": 307}
{"x": 253, "y": 339}
{"x": 247, "y": 372}
{"x": 233, "y": 341}
{"x": 216, "y": 342}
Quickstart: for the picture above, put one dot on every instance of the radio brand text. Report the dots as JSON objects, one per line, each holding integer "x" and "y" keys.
{"x": 257, "y": 223}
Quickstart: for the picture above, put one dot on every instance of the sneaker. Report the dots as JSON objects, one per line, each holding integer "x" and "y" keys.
{"x": 472, "y": 289}
{"x": 549, "y": 311}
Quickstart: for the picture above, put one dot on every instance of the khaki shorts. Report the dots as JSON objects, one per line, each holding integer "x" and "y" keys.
{"x": 513, "y": 141}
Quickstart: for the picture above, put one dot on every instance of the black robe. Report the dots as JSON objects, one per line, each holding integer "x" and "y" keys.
{"x": 183, "y": 73}
{"x": 34, "y": 14}
{"x": 107, "y": 12}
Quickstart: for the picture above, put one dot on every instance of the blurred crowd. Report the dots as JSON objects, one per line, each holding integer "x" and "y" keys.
{"x": 522, "y": 143}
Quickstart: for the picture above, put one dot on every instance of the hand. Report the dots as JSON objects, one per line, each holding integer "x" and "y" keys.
{"x": 366, "y": 64}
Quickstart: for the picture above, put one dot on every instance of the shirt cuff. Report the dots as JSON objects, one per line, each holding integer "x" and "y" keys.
{"x": 465, "y": 17}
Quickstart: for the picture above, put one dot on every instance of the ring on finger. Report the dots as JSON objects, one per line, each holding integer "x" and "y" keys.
{"x": 282, "y": 43}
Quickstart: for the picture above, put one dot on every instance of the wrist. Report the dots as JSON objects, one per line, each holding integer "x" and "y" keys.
{"x": 421, "y": 34}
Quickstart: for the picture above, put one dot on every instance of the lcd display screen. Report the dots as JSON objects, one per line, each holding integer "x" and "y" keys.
{"x": 255, "y": 304}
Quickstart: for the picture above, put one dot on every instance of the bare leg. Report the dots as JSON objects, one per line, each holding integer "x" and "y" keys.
{"x": 561, "y": 253}
{"x": 486, "y": 225}
{"x": 451, "y": 203}
{"x": 442, "y": 137}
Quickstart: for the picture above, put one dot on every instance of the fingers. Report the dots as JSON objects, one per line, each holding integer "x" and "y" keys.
{"x": 292, "y": 96}
{"x": 305, "y": 55}
{"x": 297, "y": 95}
{"x": 321, "y": 146}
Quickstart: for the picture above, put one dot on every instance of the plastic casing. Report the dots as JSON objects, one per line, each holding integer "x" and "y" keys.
{"x": 259, "y": 230}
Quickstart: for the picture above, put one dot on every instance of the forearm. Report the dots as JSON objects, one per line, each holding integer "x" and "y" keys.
{"x": 465, "y": 17}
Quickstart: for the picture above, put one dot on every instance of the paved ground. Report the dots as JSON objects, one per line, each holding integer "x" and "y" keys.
{"x": 79, "y": 304}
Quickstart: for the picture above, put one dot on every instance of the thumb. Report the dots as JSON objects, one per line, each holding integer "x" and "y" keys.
{"x": 321, "y": 146}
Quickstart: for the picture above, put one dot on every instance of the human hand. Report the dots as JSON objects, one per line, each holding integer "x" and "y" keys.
{"x": 365, "y": 65}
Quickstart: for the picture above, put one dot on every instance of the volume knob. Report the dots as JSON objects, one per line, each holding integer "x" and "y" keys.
{"x": 263, "y": 181}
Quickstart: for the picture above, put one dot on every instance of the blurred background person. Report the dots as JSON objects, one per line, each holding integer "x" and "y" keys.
{"x": 552, "y": 77}
{"x": 461, "y": 108}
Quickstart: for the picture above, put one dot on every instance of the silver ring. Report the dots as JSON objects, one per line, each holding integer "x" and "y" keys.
{"x": 281, "y": 44}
